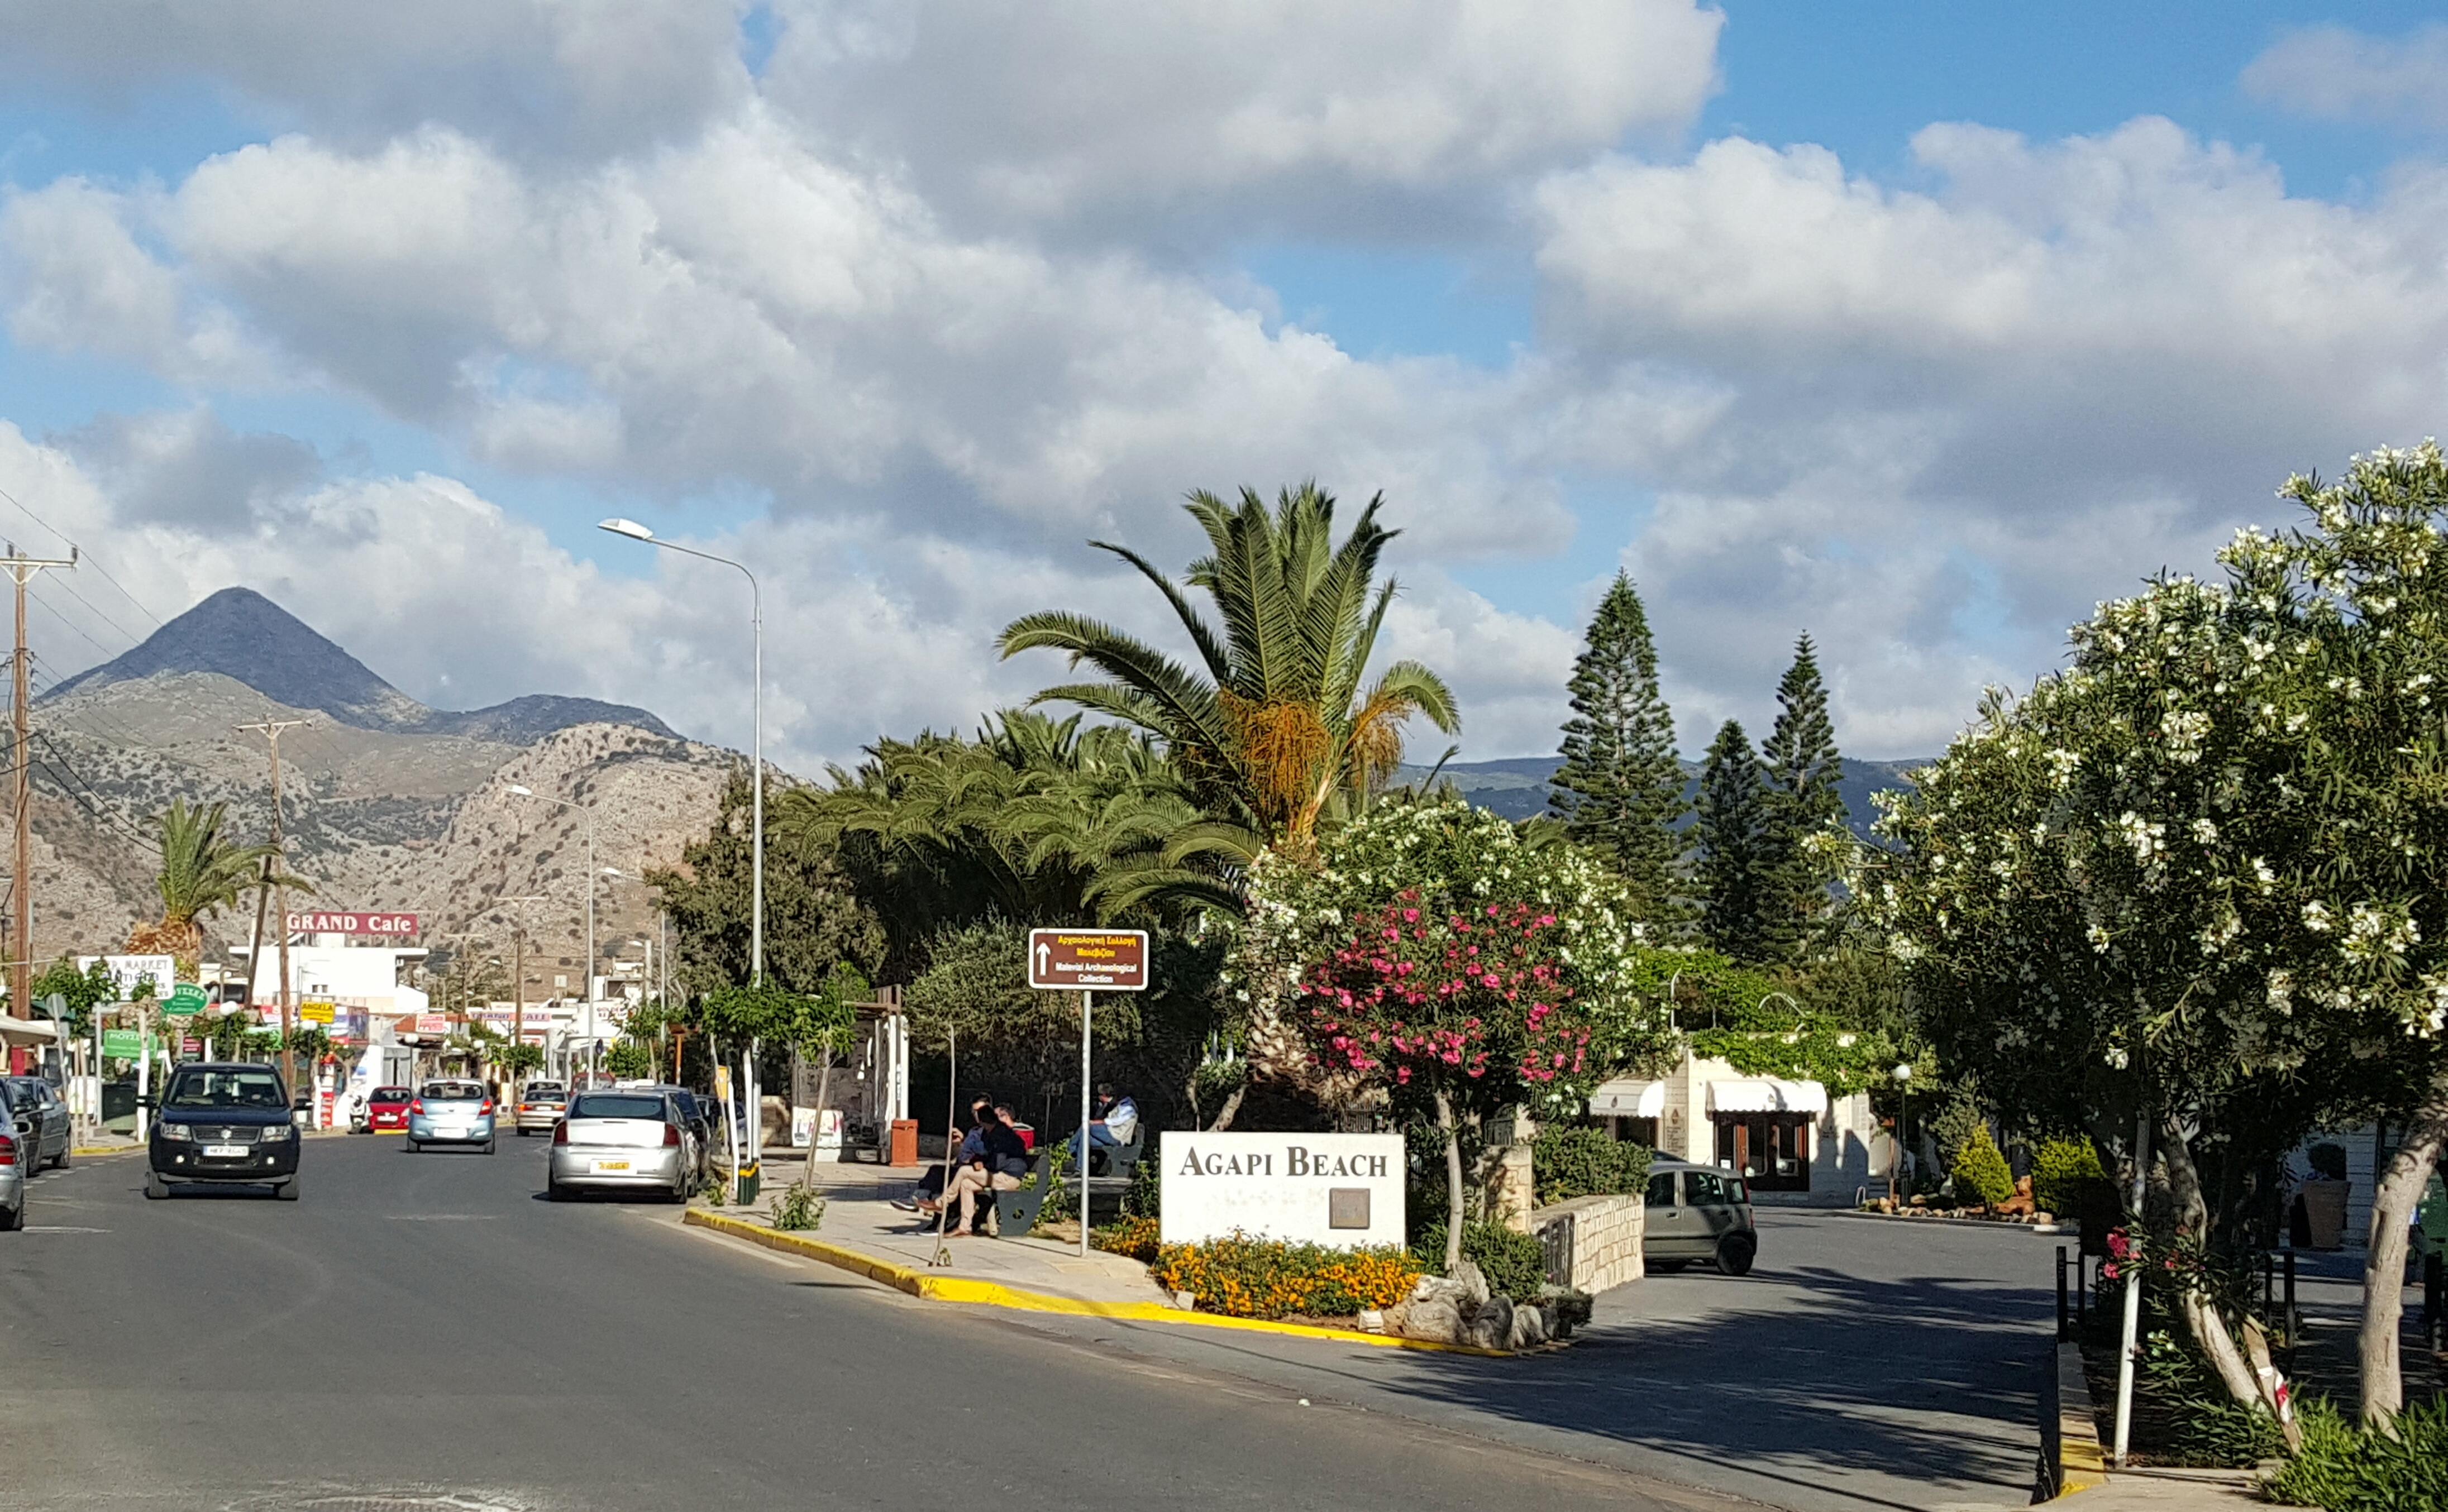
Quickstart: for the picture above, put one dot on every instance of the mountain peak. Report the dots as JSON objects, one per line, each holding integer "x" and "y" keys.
{"x": 240, "y": 634}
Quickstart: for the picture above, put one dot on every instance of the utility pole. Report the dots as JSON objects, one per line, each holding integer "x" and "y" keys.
{"x": 518, "y": 972}
{"x": 21, "y": 902}
{"x": 270, "y": 729}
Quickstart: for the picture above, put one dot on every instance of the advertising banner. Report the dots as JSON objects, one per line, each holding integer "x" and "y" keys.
{"x": 353, "y": 921}
{"x": 130, "y": 972}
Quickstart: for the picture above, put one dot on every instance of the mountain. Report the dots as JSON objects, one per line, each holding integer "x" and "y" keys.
{"x": 1518, "y": 787}
{"x": 246, "y": 637}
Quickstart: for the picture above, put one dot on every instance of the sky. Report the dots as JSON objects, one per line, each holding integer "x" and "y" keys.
{"x": 1916, "y": 328}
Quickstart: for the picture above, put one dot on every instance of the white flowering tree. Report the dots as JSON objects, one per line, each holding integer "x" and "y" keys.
{"x": 2198, "y": 872}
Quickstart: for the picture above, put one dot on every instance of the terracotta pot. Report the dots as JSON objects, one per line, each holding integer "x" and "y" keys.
{"x": 2324, "y": 1213}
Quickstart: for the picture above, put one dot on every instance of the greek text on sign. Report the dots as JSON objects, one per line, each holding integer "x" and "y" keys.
{"x": 1344, "y": 1190}
{"x": 352, "y": 923}
{"x": 1106, "y": 960}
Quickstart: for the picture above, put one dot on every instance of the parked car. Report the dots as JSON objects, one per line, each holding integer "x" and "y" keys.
{"x": 12, "y": 1186}
{"x": 223, "y": 1124}
{"x": 1698, "y": 1213}
{"x": 41, "y": 1122}
{"x": 541, "y": 1104}
{"x": 450, "y": 1112}
{"x": 386, "y": 1109}
{"x": 621, "y": 1140}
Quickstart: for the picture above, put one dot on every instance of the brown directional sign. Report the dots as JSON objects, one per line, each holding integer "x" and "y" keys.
{"x": 1103, "y": 960}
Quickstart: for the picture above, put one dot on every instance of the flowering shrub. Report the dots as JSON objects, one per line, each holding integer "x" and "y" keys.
{"x": 1133, "y": 1237}
{"x": 1242, "y": 1276}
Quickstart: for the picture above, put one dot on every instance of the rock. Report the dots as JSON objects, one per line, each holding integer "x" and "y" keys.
{"x": 1439, "y": 1289}
{"x": 1491, "y": 1327}
{"x": 1187, "y": 1301}
{"x": 1473, "y": 1282}
{"x": 1371, "y": 1321}
{"x": 1433, "y": 1318}
{"x": 1529, "y": 1328}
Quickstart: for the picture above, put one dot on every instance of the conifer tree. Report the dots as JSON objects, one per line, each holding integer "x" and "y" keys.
{"x": 1734, "y": 825}
{"x": 1620, "y": 788}
{"x": 1803, "y": 769}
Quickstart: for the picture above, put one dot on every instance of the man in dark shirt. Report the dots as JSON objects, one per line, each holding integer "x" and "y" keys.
{"x": 922, "y": 1197}
{"x": 997, "y": 1168}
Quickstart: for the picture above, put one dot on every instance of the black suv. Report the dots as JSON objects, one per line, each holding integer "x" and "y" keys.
{"x": 223, "y": 1124}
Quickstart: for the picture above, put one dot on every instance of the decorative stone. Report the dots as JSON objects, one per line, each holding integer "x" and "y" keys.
{"x": 1371, "y": 1321}
{"x": 1435, "y": 1320}
{"x": 1473, "y": 1282}
{"x": 1491, "y": 1327}
{"x": 1529, "y": 1328}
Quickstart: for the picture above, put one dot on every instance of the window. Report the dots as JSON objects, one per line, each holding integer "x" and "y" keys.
{"x": 1662, "y": 1189}
{"x": 244, "y": 1088}
{"x": 1712, "y": 1189}
{"x": 616, "y": 1104}
{"x": 388, "y": 1094}
{"x": 454, "y": 1092}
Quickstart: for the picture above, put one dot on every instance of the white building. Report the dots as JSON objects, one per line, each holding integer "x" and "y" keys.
{"x": 1790, "y": 1140}
{"x": 328, "y": 967}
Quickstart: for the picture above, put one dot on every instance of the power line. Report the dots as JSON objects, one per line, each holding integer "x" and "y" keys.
{"x": 114, "y": 583}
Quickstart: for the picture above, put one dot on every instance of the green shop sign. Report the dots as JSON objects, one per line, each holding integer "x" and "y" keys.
{"x": 187, "y": 1001}
{"x": 121, "y": 1042}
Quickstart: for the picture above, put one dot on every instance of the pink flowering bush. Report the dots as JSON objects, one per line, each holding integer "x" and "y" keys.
{"x": 1415, "y": 997}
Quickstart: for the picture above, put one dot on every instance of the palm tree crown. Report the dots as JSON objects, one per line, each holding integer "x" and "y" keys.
{"x": 202, "y": 870}
{"x": 1279, "y": 724}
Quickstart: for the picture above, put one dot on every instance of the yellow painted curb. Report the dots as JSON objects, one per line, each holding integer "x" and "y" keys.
{"x": 933, "y": 1288}
{"x": 86, "y": 1152}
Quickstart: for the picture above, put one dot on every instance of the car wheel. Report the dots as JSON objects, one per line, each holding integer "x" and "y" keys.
{"x": 12, "y": 1218}
{"x": 488, "y": 1146}
{"x": 1735, "y": 1252}
{"x": 414, "y": 1148}
{"x": 287, "y": 1191}
{"x": 155, "y": 1187}
{"x": 555, "y": 1192}
{"x": 524, "y": 1132}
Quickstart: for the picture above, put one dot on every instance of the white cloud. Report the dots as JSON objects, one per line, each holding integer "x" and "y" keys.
{"x": 2335, "y": 73}
{"x": 1109, "y": 110}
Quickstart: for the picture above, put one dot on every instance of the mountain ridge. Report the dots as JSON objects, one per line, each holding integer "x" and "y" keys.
{"x": 244, "y": 635}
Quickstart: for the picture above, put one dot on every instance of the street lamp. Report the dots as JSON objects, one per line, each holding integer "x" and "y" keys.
{"x": 1896, "y": 1160}
{"x": 756, "y": 752}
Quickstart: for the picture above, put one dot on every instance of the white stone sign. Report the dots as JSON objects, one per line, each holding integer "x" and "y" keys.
{"x": 1340, "y": 1189}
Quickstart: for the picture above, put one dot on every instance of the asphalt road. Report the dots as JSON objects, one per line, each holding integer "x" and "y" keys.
{"x": 423, "y": 1330}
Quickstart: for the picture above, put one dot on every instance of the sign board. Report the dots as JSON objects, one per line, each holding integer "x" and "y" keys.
{"x": 191, "y": 1046}
{"x": 1105, "y": 960}
{"x": 433, "y": 1024}
{"x": 121, "y": 1042}
{"x": 185, "y": 1001}
{"x": 127, "y": 973}
{"x": 315, "y": 1012}
{"x": 352, "y": 923}
{"x": 1344, "y": 1190}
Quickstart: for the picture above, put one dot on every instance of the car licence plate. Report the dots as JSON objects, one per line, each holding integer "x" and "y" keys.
{"x": 603, "y": 1166}
{"x": 222, "y": 1152}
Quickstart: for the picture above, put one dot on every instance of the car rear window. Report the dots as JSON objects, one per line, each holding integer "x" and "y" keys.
{"x": 244, "y": 1088}
{"x": 544, "y": 1092}
{"x": 616, "y": 1104}
{"x": 453, "y": 1091}
{"x": 388, "y": 1094}
{"x": 1708, "y": 1189}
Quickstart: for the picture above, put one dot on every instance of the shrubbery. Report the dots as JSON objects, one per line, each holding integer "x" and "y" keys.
{"x": 1241, "y": 1276}
{"x": 2059, "y": 1170}
{"x": 1980, "y": 1173}
{"x": 2345, "y": 1469}
{"x": 1514, "y": 1264}
{"x": 1570, "y": 1163}
{"x": 1133, "y": 1237}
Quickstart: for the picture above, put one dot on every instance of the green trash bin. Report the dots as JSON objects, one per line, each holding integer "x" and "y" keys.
{"x": 752, "y": 1180}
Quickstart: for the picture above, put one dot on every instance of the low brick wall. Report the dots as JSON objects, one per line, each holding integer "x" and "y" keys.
{"x": 1604, "y": 1247}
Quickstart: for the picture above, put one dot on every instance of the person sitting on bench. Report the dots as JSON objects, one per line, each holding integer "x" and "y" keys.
{"x": 972, "y": 1144}
{"x": 997, "y": 1168}
{"x": 1117, "y": 1120}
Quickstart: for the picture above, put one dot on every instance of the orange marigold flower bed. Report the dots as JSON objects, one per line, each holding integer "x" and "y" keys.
{"x": 1242, "y": 1276}
{"x": 1133, "y": 1237}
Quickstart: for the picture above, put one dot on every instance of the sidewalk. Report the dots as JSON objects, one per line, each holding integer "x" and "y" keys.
{"x": 859, "y": 1216}
{"x": 2171, "y": 1490}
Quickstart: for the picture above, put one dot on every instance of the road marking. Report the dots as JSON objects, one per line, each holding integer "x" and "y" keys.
{"x": 441, "y": 1217}
{"x": 61, "y": 1228}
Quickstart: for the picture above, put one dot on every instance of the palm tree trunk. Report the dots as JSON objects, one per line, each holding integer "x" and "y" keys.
{"x": 1453, "y": 1181}
{"x": 2393, "y": 1204}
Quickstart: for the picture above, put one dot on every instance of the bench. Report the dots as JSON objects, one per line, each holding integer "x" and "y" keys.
{"x": 1120, "y": 1159}
{"x": 1016, "y": 1212}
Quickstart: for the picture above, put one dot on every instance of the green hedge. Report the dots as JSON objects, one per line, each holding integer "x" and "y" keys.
{"x": 2345, "y": 1469}
{"x": 1514, "y": 1264}
{"x": 1570, "y": 1163}
{"x": 1980, "y": 1172}
{"x": 2060, "y": 1168}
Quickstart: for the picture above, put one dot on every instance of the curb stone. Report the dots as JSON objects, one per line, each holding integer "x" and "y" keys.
{"x": 929, "y": 1287}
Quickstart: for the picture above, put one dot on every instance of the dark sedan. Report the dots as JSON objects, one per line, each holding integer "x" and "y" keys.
{"x": 222, "y": 1125}
{"x": 43, "y": 1129}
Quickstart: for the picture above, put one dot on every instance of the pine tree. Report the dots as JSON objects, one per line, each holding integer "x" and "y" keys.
{"x": 1802, "y": 772}
{"x": 1733, "y": 826}
{"x": 1620, "y": 788}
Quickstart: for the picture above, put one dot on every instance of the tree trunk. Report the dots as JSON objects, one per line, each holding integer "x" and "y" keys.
{"x": 824, "y": 1089}
{"x": 1453, "y": 1181}
{"x": 2202, "y": 1318}
{"x": 2393, "y": 1204}
{"x": 1232, "y": 1105}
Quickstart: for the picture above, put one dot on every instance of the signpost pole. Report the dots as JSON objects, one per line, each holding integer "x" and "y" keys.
{"x": 1086, "y": 1034}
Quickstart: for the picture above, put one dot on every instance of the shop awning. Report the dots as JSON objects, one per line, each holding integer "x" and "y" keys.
{"x": 29, "y": 1032}
{"x": 1628, "y": 1098}
{"x": 1767, "y": 1094}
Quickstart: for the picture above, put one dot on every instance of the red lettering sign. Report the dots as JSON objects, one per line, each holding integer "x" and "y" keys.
{"x": 353, "y": 922}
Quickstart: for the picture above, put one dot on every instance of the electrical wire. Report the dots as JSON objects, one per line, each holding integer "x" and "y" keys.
{"x": 85, "y": 558}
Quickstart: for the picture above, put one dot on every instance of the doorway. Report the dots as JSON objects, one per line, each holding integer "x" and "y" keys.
{"x": 1771, "y": 1151}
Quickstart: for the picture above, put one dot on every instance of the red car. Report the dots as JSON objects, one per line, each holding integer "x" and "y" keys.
{"x": 387, "y": 1108}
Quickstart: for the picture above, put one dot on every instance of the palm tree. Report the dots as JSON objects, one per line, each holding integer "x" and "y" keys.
{"x": 202, "y": 871}
{"x": 1279, "y": 726}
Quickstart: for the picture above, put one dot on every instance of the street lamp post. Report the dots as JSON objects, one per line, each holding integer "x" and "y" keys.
{"x": 587, "y": 811}
{"x": 1896, "y": 1159}
{"x": 757, "y": 736}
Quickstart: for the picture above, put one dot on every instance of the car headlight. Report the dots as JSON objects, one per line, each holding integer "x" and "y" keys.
{"x": 274, "y": 1133}
{"x": 177, "y": 1131}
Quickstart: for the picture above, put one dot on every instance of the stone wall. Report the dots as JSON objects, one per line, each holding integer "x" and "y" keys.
{"x": 1606, "y": 1239}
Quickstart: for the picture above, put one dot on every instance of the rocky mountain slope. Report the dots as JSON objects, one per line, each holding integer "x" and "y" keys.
{"x": 1519, "y": 787}
{"x": 387, "y": 803}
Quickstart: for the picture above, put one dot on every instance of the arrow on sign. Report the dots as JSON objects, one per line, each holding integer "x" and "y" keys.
{"x": 1042, "y": 952}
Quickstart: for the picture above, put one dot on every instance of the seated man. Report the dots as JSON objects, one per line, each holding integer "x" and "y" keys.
{"x": 998, "y": 1168}
{"x": 972, "y": 1144}
{"x": 1117, "y": 1120}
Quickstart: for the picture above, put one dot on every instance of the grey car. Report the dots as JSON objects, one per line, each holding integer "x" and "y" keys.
{"x": 621, "y": 1141}
{"x": 41, "y": 1123}
{"x": 452, "y": 1112}
{"x": 1697, "y": 1213}
{"x": 12, "y": 1181}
